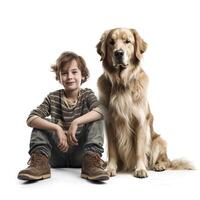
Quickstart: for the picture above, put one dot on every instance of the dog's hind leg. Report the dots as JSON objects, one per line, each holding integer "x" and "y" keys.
{"x": 159, "y": 160}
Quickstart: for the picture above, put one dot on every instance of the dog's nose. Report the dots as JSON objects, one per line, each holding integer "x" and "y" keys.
{"x": 118, "y": 54}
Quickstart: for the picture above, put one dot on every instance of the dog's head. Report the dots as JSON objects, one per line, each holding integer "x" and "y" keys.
{"x": 121, "y": 47}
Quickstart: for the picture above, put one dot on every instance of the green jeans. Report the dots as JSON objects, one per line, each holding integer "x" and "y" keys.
{"x": 89, "y": 139}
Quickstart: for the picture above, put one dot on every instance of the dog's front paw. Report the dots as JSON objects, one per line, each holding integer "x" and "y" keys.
{"x": 111, "y": 169}
{"x": 140, "y": 173}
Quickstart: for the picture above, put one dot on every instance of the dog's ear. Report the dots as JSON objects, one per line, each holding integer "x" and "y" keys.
{"x": 101, "y": 46}
{"x": 140, "y": 45}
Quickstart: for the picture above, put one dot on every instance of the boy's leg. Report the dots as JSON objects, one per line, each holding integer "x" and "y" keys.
{"x": 43, "y": 151}
{"x": 58, "y": 158}
{"x": 46, "y": 143}
{"x": 40, "y": 142}
{"x": 92, "y": 165}
{"x": 95, "y": 137}
{"x": 89, "y": 139}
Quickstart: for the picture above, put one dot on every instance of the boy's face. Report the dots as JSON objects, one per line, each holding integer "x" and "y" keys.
{"x": 70, "y": 76}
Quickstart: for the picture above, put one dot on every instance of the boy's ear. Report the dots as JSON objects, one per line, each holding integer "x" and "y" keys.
{"x": 60, "y": 81}
{"x": 82, "y": 80}
{"x": 59, "y": 77}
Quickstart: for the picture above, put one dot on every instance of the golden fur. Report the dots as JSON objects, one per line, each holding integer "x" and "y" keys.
{"x": 132, "y": 143}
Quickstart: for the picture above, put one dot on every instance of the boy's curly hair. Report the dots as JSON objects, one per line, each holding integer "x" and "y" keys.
{"x": 67, "y": 57}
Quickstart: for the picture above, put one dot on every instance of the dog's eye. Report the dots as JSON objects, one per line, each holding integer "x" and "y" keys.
{"x": 127, "y": 41}
{"x": 112, "y": 42}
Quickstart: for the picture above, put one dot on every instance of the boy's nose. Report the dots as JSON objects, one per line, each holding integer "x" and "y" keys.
{"x": 69, "y": 76}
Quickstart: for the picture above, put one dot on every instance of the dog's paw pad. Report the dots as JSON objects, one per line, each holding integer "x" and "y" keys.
{"x": 140, "y": 173}
{"x": 111, "y": 171}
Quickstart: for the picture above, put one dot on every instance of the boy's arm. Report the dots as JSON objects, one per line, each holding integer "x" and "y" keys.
{"x": 40, "y": 123}
{"x": 96, "y": 113}
{"x": 36, "y": 120}
{"x": 91, "y": 116}
{"x": 42, "y": 111}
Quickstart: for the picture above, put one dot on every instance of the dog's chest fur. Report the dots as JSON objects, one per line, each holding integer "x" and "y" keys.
{"x": 127, "y": 102}
{"x": 120, "y": 105}
{"x": 122, "y": 113}
{"x": 125, "y": 112}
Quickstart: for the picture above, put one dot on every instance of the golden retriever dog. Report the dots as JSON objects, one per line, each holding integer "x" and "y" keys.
{"x": 133, "y": 145}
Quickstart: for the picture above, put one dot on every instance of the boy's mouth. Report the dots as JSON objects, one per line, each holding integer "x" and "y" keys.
{"x": 70, "y": 82}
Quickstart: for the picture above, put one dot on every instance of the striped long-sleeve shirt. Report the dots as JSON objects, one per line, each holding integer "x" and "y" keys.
{"x": 54, "y": 105}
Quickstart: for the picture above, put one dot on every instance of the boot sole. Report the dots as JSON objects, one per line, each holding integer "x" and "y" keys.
{"x": 28, "y": 177}
{"x": 95, "y": 178}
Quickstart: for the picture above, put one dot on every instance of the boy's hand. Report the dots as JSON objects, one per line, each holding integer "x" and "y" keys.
{"x": 62, "y": 138}
{"x": 72, "y": 132}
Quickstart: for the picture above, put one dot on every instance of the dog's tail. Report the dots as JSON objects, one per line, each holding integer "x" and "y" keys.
{"x": 181, "y": 164}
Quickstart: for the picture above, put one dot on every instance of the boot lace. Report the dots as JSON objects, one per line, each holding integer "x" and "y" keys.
{"x": 35, "y": 160}
{"x": 97, "y": 161}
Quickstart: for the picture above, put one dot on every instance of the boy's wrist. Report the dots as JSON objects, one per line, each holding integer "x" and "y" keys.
{"x": 56, "y": 127}
{"x": 76, "y": 121}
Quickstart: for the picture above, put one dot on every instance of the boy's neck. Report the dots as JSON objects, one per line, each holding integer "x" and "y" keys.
{"x": 72, "y": 94}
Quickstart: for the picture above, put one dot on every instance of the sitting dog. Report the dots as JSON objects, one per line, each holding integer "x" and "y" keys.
{"x": 133, "y": 145}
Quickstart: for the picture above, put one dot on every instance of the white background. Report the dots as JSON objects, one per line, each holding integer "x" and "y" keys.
{"x": 32, "y": 36}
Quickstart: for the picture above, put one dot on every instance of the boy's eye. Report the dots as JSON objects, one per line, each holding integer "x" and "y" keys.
{"x": 74, "y": 72}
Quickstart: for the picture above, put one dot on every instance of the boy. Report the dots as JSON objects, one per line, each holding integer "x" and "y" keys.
{"x": 73, "y": 137}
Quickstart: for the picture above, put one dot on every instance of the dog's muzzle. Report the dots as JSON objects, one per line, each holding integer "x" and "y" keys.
{"x": 119, "y": 55}
{"x": 119, "y": 59}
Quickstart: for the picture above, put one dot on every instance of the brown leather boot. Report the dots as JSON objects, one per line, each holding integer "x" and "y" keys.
{"x": 38, "y": 169}
{"x": 93, "y": 168}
